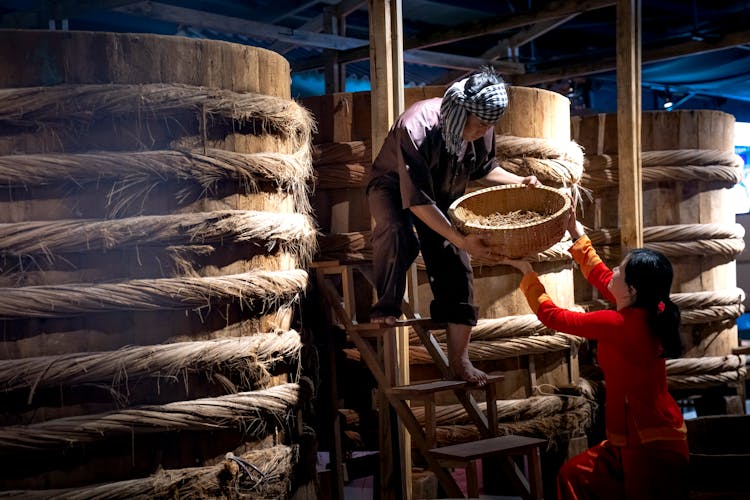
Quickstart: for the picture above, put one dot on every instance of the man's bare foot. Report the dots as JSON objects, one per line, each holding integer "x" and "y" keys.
{"x": 464, "y": 370}
{"x": 389, "y": 321}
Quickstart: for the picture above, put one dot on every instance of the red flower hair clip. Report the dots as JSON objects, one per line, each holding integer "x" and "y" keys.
{"x": 660, "y": 306}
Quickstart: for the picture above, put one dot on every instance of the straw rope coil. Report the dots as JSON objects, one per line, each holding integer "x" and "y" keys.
{"x": 494, "y": 329}
{"x": 141, "y": 170}
{"x": 707, "y": 380}
{"x": 710, "y": 364}
{"x": 673, "y": 166}
{"x": 62, "y": 104}
{"x": 697, "y": 307}
{"x": 507, "y": 409}
{"x": 557, "y": 161}
{"x": 711, "y": 314}
{"x": 341, "y": 152}
{"x": 505, "y": 348}
{"x": 552, "y": 427}
{"x": 696, "y": 300}
{"x": 341, "y": 176}
{"x": 292, "y": 232}
{"x": 345, "y": 247}
{"x": 159, "y": 361}
{"x": 729, "y": 248}
{"x": 675, "y": 232}
{"x": 698, "y": 157}
{"x": 270, "y": 477}
{"x": 254, "y": 413}
{"x": 678, "y": 240}
{"x": 264, "y": 289}
{"x": 698, "y": 373}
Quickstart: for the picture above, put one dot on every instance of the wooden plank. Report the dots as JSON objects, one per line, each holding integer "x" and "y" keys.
{"x": 425, "y": 323}
{"x": 629, "y": 122}
{"x": 426, "y": 388}
{"x": 472, "y": 450}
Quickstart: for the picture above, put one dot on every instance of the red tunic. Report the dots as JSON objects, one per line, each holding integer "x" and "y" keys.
{"x": 639, "y": 409}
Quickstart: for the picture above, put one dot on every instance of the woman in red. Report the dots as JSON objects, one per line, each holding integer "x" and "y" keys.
{"x": 645, "y": 455}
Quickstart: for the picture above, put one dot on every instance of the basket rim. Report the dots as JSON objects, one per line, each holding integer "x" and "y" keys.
{"x": 553, "y": 216}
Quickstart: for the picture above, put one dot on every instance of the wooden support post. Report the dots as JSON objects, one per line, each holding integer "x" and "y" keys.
{"x": 336, "y": 453}
{"x": 386, "y": 68}
{"x": 391, "y": 463}
{"x": 387, "y": 102}
{"x": 629, "y": 123}
{"x": 334, "y": 72}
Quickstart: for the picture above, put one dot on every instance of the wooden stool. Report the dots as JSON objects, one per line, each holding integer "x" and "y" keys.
{"x": 465, "y": 454}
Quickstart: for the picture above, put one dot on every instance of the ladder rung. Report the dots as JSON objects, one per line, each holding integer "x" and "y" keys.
{"x": 426, "y": 323}
{"x": 511, "y": 445}
{"x": 427, "y": 388}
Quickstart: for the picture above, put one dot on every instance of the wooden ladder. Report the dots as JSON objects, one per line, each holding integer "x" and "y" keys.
{"x": 438, "y": 460}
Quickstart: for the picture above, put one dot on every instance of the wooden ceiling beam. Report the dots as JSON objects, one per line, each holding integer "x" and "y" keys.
{"x": 531, "y": 33}
{"x": 316, "y": 24}
{"x": 233, "y": 25}
{"x": 504, "y": 46}
{"x": 464, "y": 63}
{"x": 566, "y": 71}
{"x": 553, "y": 10}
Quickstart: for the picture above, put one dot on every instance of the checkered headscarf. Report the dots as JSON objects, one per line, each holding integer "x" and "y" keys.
{"x": 488, "y": 105}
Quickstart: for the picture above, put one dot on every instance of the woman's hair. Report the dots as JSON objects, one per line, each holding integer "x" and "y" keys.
{"x": 485, "y": 77}
{"x": 650, "y": 274}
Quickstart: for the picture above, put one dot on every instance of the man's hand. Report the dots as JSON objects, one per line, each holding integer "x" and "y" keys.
{"x": 478, "y": 248}
{"x": 531, "y": 180}
{"x": 498, "y": 176}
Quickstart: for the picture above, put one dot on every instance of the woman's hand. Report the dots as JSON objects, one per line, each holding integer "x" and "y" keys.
{"x": 521, "y": 265}
{"x": 575, "y": 228}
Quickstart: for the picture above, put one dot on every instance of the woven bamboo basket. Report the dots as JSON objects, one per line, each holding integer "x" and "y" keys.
{"x": 515, "y": 240}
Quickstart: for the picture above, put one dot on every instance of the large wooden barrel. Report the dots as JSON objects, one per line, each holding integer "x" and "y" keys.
{"x": 533, "y": 135}
{"x": 688, "y": 165}
{"x": 155, "y": 231}
{"x": 535, "y": 127}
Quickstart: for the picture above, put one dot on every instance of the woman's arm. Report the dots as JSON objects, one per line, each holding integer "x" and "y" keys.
{"x": 590, "y": 325}
{"x": 583, "y": 252}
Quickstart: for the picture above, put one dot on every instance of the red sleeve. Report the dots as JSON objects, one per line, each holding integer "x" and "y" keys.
{"x": 592, "y": 267}
{"x": 591, "y": 325}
